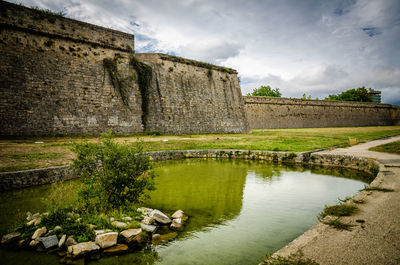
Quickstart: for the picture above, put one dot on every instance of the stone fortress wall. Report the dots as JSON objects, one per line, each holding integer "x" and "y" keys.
{"x": 52, "y": 78}
{"x": 187, "y": 98}
{"x": 60, "y": 76}
{"x": 272, "y": 113}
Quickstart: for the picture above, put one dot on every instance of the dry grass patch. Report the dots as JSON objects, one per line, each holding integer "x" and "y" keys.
{"x": 56, "y": 151}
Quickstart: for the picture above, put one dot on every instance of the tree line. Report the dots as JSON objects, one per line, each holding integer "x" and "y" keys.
{"x": 360, "y": 94}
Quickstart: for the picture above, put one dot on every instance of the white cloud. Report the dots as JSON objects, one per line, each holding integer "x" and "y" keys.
{"x": 313, "y": 47}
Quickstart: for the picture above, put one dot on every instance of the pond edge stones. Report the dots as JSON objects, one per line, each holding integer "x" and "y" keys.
{"x": 49, "y": 241}
{"x": 39, "y": 232}
{"x": 160, "y": 217}
{"x": 82, "y": 248}
{"x": 107, "y": 239}
{"x": 10, "y": 237}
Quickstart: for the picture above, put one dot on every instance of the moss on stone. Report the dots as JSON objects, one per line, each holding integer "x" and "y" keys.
{"x": 144, "y": 73}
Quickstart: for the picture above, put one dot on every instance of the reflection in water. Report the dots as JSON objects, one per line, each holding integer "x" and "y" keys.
{"x": 239, "y": 210}
{"x": 208, "y": 192}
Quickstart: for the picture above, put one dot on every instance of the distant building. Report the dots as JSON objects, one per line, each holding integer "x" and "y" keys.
{"x": 375, "y": 95}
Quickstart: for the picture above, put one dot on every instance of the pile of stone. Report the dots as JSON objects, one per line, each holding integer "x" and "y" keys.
{"x": 106, "y": 241}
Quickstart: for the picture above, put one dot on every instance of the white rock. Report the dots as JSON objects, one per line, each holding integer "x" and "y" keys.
{"x": 148, "y": 228}
{"x": 147, "y": 220}
{"x": 103, "y": 231}
{"x": 31, "y": 222}
{"x": 70, "y": 241}
{"x": 144, "y": 210}
{"x": 34, "y": 243}
{"x": 39, "y": 232}
{"x": 112, "y": 219}
{"x": 62, "y": 240}
{"x": 37, "y": 221}
{"x": 127, "y": 218}
{"x": 28, "y": 216}
{"x": 83, "y": 248}
{"x": 35, "y": 216}
{"x": 119, "y": 224}
{"x": 176, "y": 224}
{"x": 107, "y": 240}
{"x": 178, "y": 214}
{"x": 131, "y": 232}
{"x": 10, "y": 237}
{"x": 160, "y": 217}
{"x": 57, "y": 227}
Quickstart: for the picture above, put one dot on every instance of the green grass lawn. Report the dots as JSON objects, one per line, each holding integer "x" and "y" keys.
{"x": 20, "y": 154}
{"x": 393, "y": 147}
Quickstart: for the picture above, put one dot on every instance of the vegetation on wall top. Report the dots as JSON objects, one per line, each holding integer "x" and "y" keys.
{"x": 49, "y": 12}
{"x": 197, "y": 63}
{"x": 265, "y": 91}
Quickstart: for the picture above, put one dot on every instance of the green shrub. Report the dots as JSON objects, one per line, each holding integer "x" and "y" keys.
{"x": 338, "y": 210}
{"x": 115, "y": 175}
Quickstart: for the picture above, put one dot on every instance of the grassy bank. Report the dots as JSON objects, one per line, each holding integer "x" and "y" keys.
{"x": 393, "y": 147}
{"x": 21, "y": 154}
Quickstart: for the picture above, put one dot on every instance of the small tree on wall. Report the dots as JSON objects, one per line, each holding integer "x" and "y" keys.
{"x": 265, "y": 91}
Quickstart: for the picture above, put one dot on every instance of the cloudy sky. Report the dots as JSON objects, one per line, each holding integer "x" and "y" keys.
{"x": 317, "y": 47}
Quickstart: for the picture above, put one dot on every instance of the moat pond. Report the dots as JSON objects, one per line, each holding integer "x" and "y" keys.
{"x": 239, "y": 210}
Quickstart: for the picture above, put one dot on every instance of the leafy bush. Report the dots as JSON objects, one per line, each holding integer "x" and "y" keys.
{"x": 116, "y": 175}
{"x": 357, "y": 94}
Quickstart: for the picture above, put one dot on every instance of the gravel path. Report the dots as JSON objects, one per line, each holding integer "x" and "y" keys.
{"x": 374, "y": 241}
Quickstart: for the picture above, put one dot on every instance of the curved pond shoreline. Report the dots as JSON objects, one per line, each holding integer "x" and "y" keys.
{"x": 377, "y": 240}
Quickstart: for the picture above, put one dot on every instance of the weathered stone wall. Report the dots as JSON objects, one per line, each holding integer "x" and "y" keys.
{"x": 61, "y": 76}
{"x": 22, "y": 179}
{"x": 34, "y": 177}
{"x": 190, "y": 97}
{"x": 396, "y": 115}
{"x": 271, "y": 113}
{"x": 52, "y": 78}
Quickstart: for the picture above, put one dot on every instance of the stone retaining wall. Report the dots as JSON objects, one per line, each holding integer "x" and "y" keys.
{"x": 22, "y": 179}
{"x": 33, "y": 177}
{"x": 273, "y": 113}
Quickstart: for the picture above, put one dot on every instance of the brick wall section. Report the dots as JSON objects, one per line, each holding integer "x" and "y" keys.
{"x": 52, "y": 78}
{"x": 271, "y": 113}
{"x": 185, "y": 98}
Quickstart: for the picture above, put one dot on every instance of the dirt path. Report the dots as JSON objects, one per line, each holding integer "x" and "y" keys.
{"x": 376, "y": 240}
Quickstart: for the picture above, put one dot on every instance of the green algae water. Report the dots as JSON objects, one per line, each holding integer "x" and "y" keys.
{"x": 239, "y": 210}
